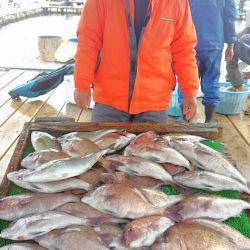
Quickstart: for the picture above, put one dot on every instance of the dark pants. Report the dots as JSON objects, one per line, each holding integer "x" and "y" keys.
{"x": 209, "y": 63}
{"x": 104, "y": 113}
{"x": 242, "y": 52}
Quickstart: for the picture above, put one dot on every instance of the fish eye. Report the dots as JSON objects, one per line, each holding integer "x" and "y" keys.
{"x": 130, "y": 229}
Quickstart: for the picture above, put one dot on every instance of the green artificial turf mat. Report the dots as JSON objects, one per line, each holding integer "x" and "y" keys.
{"x": 242, "y": 223}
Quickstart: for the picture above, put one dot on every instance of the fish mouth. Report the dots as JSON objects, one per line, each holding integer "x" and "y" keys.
{"x": 6, "y": 233}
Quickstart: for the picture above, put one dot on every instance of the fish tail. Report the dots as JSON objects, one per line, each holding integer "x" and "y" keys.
{"x": 158, "y": 186}
{"x": 173, "y": 212}
{"x": 192, "y": 168}
{"x": 104, "y": 152}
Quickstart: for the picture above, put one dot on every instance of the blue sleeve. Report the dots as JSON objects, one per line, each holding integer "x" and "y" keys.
{"x": 230, "y": 15}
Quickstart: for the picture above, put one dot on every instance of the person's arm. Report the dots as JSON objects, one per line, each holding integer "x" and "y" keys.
{"x": 243, "y": 32}
{"x": 230, "y": 37}
{"x": 90, "y": 34}
{"x": 184, "y": 61}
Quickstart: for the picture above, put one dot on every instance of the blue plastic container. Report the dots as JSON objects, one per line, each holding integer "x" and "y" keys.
{"x": 73, "y": 40}
{"x": 232, "y": 103}
{"x": 174, "y": 108}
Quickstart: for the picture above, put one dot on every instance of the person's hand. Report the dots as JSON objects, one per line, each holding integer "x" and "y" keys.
{"x": 189, "y": 107}
{"x": 229, "y": 54}
{"x": 82, "y": 99}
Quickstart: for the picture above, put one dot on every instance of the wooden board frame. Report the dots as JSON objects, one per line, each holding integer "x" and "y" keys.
{"x": 211, "y": 131}
{"x": 60, "y": 126}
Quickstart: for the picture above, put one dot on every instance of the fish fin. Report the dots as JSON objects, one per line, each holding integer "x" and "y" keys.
{"x": 176, "y": 217}
{"x": 118, "y": 220}
{"x": 165, "y": 236}
{"x": 208, "y": 187}
{"x": 176, "y": 208}
{"x": 111, "y": 147}
{"x": 192, "y": 168}
{"x": 173, "y": 169}
{"x": 99, "y": 220}
{"x": 35, "y": 188}
{"x": 106, "y": 238}
{"x": 158, "y": 186}
{"x": 38, "y": 234}
{"x": 110, "y": 166}
{"x": 112, "y": 197}
{"x": 112, "y": 173}
{"x": 200, "y": 150}
{"x": 115, "y": 164}
{"x": 109, "y": 178}
{"x": 248, "y": 185}
{"x": 173, "y": 212}
{"x": 182, "y": 189}
{"x": 109, "y": 212}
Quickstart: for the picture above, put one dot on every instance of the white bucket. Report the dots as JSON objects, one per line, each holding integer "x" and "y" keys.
{"x": 66, "y": 51}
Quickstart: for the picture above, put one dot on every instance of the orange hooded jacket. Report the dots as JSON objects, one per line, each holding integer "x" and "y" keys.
{"x": 166, "y": 49}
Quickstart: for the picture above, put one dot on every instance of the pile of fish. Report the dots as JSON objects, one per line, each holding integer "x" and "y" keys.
{"x": 84, "y": 185}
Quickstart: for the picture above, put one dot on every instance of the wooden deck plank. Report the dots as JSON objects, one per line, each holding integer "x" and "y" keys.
{"x": 9, "y": 108}
{"x": 242, "y": 125}
{"x": 4, "y": 162}
{"x": 237, "y": 146}
{"x": 54, "y": 104}
{"x": 70, "y": 110}
{"x": 3, "y": 73}
{"x": 21, "y": 79}
{"x": 9, "y": 77}
{"x": 12, "y": 127}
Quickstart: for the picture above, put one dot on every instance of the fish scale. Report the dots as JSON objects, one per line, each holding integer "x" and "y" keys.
{"x": 48, "y": 187}
{"x": 133, "y": 165}
{"x": 62, "y": 169}
{"x": 212, "y": 206}
{"x": 73, "y": 238}
{"x": 36, "y": 159}
{"x": 209, "y": 181}
{"x": 23, "y": 246}
{"x": 207, "y": 158}
{"x": 93, "y": 136}
{"x": 44, "y": 141}
{"x": 121, "y": 201}
{"x": 192, "y": 235}
{"x": 30, "y": 227}
{"x": 144, "y": 231}
{"x": 18, "y": 206}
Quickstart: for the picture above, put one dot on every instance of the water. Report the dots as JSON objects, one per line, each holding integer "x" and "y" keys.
{"x": 20, "y": 39}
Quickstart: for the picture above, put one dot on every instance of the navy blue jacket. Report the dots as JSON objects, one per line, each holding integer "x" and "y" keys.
{"x": 214, "y": 21}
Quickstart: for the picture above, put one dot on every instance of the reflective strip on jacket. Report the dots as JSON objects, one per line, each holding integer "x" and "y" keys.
{"x": 167, "y": 47}
{"x": 214, "y": 21}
